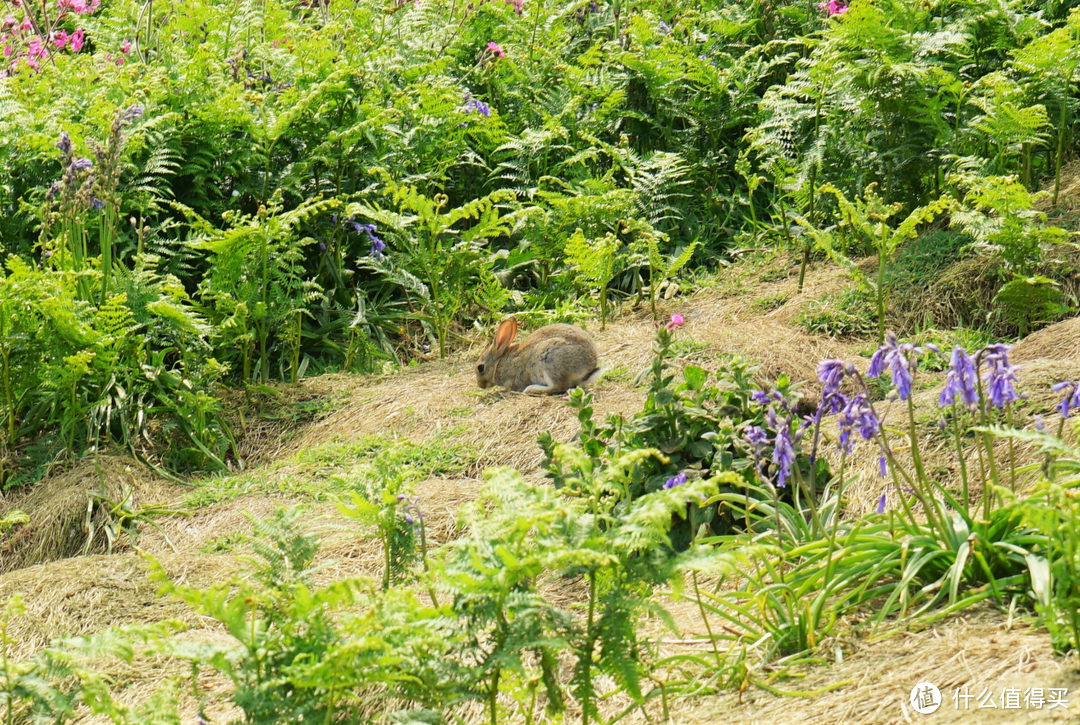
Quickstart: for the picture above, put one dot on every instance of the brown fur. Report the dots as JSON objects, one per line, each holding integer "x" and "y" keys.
{"x": 551, "y": 360}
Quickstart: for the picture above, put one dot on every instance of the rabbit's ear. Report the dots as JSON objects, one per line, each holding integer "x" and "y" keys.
{"x": 505, "y": 334}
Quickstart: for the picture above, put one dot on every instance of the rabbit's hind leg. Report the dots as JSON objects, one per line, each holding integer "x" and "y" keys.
{"x": 540, "y": 388}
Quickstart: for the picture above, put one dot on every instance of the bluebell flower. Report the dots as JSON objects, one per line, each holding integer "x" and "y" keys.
{"x": 98, "y": 204}
{"x": 831, "y": 374}
{"x": 1071, "y": 400}
{"x": 664, "y": 28}
{"x": 881, "y": 504}
{"x": 378, "y": 246}
{"x": 676, "y": 480}
{"x": 783, "y": 455}
{"x": 755, "y": 435}
{"x": 857, "y": 416}
{"x": 1000, "y": 375}
{"x": 477, "y": 106}
{"x": 900, "y": 360}
{"x": 960, "y": 383}
{"x": 883, "y": 466}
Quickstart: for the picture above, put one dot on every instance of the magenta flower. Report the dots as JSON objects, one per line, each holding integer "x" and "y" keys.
{"x": 676, "y": 321}
{"x": 832, "y": 7}
{"x": 77, "y": 39}
{"x": 125, "y": 47}
{"x": 60, "y": 39}
{"x": 496, "y": 49}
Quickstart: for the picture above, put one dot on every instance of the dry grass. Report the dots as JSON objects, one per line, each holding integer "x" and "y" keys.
{"x": 58, "y": 506}
{"x": 978, "y": 650}
{"x": 88, "y": 594}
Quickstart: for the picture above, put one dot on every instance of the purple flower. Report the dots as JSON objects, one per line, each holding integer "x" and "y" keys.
{"x": 322, "y": 246}
{"x": 857, "y": 416}
{"x": 80, "y": 164}
{"x": 1071, "y": 400}
{"x": 883, "y": 466}
{"x": 960, "y": 383}
{"x": 64, "y": 144}
{"x": 831, "y": 375}
{"x": 1000, "y": 375}
{"x": 664, "y": 28}
{"x": 881, "y": 504}
{"x": 761, "y": 397}
{"x": 676, "y": 480}
{"x": 755, "y": 435}
{"x": 783, "y": 454}
{"x": 900, "y": 360}
{"x": 377, "y": 245}
{"x": 477, "y": 106}
{"x": 1039, "y": 425}
{"x": 98, "y": 204}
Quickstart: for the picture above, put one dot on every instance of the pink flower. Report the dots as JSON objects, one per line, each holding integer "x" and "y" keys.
{"x": 77, "y": 40}
{"x": 9, "y": 21}
{"x": 7, "y": 51}
{"x": 26, "y": 24}
{"x": 60, "y": 39}
{"x": 832, "y": 7}
{"x": 676, "y": 321}
{"x": 85, "y": 7}
{"x": 125, "y": 47}
{"x": 496, "y": 49}
{"x": 35, "y": 49}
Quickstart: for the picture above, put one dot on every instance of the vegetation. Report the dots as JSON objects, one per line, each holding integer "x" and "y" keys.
{"x": 203, "y": 203}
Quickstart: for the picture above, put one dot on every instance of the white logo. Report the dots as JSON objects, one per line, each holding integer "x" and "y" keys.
{"x": 925, "y": 698}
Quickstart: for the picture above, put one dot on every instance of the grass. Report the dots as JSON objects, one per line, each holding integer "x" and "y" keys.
{"x": 332, "y": 468}
{"x": 772, "y": 302}
{"x": 849, "y": 313}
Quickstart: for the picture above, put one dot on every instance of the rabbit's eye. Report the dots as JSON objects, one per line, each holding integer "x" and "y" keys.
{"x": 479, "y": 368}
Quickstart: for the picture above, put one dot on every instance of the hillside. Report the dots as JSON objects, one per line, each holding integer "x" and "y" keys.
{"x": 436, "y": 408}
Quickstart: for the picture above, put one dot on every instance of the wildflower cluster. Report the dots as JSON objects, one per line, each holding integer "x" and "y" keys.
{"x": 783, "y": 441}
{"x": 833, "y": 7}
{"x": 378, "y": 246}
{"x": 475, "y": 105}
{"x": 75, "y": 190}
{"x": 21, "y": 41}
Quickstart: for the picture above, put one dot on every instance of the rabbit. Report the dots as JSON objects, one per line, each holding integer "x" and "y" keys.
{"x": 551, "y": 360}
